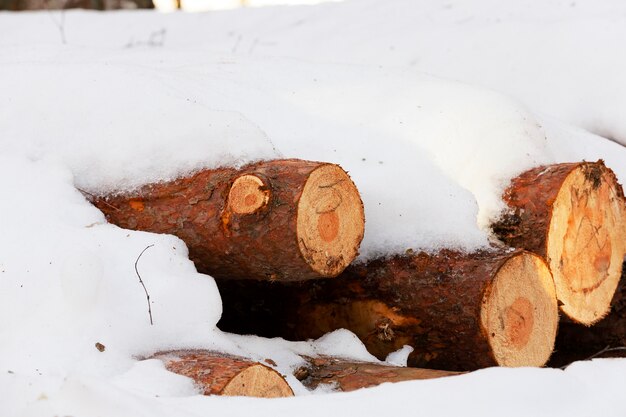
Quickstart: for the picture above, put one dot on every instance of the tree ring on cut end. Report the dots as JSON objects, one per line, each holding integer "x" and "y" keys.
{"x": 258, "y": 381}
{"x": 519, "y": 314}
{"x": 330, "y": 220}
{"x": 248, "y": 194}
{"x": 586, "y": 242}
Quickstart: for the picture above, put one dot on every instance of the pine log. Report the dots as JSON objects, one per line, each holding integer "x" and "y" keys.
{"x": 351, "y": 375}
{"x": 276, "y": 220}
{"x": 458, "y": 311}
{"x": 577, "y": 342}
{"x": 573, "y": 215}
{"x": 222, "y": 375}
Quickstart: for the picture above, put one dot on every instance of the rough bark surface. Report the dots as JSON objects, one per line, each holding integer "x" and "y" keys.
{"x": 432, "y": 303}
{"x": 237, "y": 230}
{"x": 572, "y": 215}
{"x": 349, "y": 375}
{"x": 221, "y": 375}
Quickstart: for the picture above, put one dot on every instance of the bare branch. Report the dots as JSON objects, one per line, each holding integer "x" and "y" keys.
{"x": 142, "y": 284}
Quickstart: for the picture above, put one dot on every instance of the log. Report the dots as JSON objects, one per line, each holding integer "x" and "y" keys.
{"x": 573, "y": 215}
{"x": 222, "y": 375}
{"x": 276, "y": 220}
{"x": 352, "y": 375}
{"x": 606, "y": 338}
{"x": 458, "y": 311}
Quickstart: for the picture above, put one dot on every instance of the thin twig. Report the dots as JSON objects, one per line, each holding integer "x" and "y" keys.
{"x": 606, "y": 350}
{"x": 601, "y": 352}
{"x": 94, "y": 198}
{"x": 142, "y": 284}
{"x": 61, "y": 23}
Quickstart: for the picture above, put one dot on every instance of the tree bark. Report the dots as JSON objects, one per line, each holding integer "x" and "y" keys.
{"x": 573, "y": 215}
{"x": 221, "y": 375}
{"x": 283, "y": 220}
{"x": 458, "y": 311}
{"x": 350, "y": 375}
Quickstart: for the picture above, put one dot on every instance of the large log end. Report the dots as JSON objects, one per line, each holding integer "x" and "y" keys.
{"x": 330, "y": 220}
{"x": 586, "y": 241}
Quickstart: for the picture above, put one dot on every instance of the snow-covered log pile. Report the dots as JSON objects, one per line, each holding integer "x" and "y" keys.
{"x": 464, "y": 311}
{"x": 289, "y": 220}
{"x": 431, "y": 107}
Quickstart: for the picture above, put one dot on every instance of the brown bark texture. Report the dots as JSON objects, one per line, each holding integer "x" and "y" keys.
{"x": 216, "y": 374}
{"x": 430, "y": 302}
{"x": 350, "y": 375}
{"x": 244, "y": 224}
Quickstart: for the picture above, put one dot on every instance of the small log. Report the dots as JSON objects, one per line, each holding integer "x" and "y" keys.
{"x": 221, "y": 375}
{"x": 276, "y": 220}
{"x": 573, "y": 215}
{"x": 458, "y": 311}
{"x": 351, "y": 375}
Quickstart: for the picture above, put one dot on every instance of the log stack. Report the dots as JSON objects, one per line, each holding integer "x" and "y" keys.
{"x": 268, "y": 231}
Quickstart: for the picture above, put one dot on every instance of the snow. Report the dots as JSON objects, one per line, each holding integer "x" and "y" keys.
{"x": 400, "y": 356}
{"x": 431, "y": 106}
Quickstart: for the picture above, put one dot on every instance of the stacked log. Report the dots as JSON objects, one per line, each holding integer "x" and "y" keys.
{"x": 279, "y": 220}
{"x": 344, "y": 375}
{"x": 458, "y": 311}
{"x": 607, "y": 338}
{"x": 223, "y": 375}
{"x": 573, "y": 215}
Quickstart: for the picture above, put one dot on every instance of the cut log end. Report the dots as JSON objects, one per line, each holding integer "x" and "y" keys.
{"x": 586, "y": 242}
{"x": 258, "y": 381}
{"x": 222, "y": 375}
{"x": 520, "y": 314}
{"x": 330, "y": 221}
{"x": 248, "y": 194}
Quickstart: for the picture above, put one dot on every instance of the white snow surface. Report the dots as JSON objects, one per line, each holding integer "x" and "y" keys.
{"x": 431, "y": 106}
